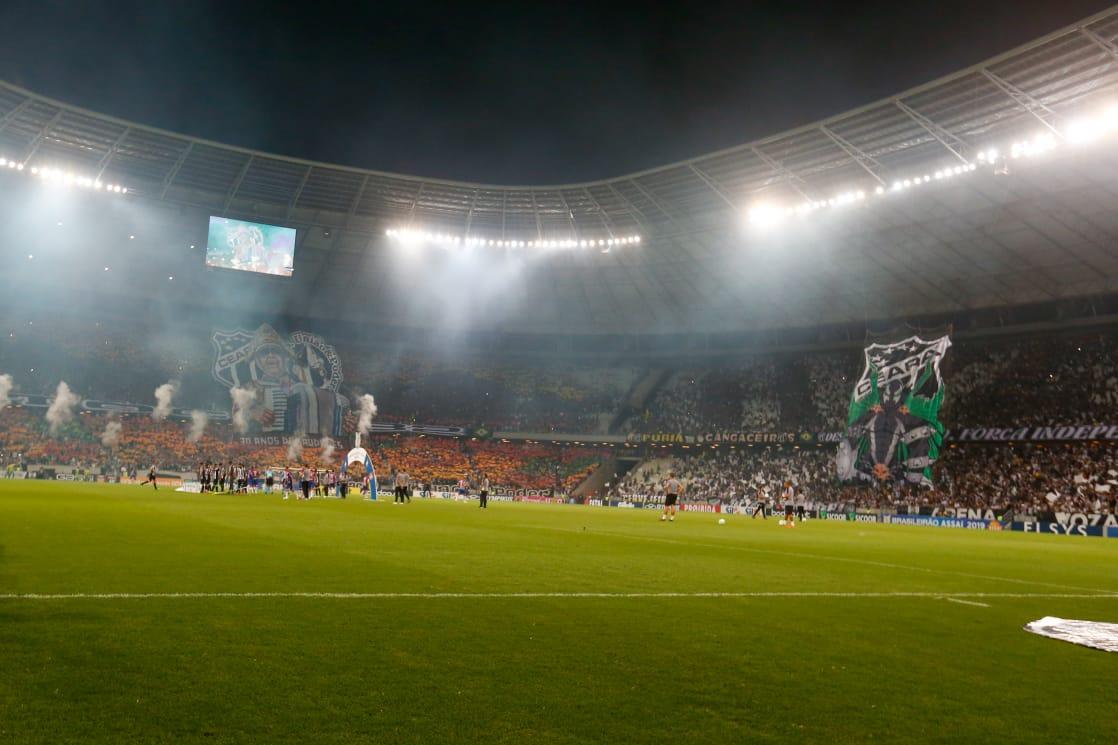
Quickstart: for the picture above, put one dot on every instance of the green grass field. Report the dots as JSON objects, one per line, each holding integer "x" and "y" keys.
{"x": 570, "y": 639}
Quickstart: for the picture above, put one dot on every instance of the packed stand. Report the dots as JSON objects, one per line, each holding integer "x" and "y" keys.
{"x": 142, "y": 442}
{"x": 1031, "y": 479}
{"x": 739, "y": 398}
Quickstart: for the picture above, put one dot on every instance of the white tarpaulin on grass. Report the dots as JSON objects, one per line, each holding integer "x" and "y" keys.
{"x": 1093, "y": 634}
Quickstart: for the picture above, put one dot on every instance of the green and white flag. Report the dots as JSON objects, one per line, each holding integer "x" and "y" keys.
{"x": 893, "y": 427}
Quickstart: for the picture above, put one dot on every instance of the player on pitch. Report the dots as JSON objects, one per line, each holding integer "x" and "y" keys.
{"x": 788, "y": 497}
{"x": 673, "y": 490}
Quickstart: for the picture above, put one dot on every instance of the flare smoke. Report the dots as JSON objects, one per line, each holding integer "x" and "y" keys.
{"x": 6, "y": 386}
{"x": 198, "y": 422}
{"x": 243, "y": 399}
{"x": 327, "y": 446}
{"x": 61, "y": 409}
{"x": 110, "y": 438}
{"x": 164, "y": 396}
{"x": 295, "y": 447}
{"x": 368, "y": 411}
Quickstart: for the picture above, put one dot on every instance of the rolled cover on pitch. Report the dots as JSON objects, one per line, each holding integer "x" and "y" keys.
{"x": 1092, "y": 634}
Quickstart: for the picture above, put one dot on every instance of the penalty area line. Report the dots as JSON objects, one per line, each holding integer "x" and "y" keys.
{"x": 954, "y": 597}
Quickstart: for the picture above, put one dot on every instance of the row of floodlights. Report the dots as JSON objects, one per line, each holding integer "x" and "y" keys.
{"x": 1078, "y": 132}
{"x": 449, "y": 239}
{"x": 63, "y": 177}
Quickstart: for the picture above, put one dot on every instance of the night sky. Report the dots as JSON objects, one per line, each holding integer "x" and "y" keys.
{"x": 528, "y": 93}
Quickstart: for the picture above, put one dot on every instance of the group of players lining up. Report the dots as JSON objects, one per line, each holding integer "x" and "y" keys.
{"x": 303, "y": 482}
{"x": 306, "y": 481}
{"x": 794, "y": 501}
{"x": 300, "y": 482}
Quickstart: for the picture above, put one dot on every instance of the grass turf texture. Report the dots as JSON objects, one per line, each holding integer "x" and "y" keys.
{"x": 539, "y": 669}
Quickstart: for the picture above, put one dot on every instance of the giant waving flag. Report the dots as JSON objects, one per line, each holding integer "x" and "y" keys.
{"x": 893, "y": 427}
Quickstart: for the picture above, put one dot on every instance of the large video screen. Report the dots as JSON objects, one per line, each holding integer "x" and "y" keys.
{"x": 250, "y": 247}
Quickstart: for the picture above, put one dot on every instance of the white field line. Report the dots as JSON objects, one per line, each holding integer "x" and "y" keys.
{"x": 534, "y": 595}
{"x": 967, "y": 602}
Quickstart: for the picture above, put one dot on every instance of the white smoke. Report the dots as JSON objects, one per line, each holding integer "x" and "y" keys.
{"x": 243, "y": 399}
{"x": 110, "y": 438}
{"x": 61, "y": 409}
{"x": 164, "y": 396}
{"x": 198, "y": 422}
{"x": 6, "y": 386}
{"x": 368, "y": 411}
{"x": 327, "y": 446}
{"x": 295, "y": 448}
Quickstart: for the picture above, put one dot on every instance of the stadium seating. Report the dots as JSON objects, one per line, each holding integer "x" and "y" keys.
{"x": 1030, "y": 479}
{"x": 1035, "y": 380}
{"x": 24, "y": 438}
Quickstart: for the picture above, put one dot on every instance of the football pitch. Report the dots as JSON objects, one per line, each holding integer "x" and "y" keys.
{"x": 133, "y": 616}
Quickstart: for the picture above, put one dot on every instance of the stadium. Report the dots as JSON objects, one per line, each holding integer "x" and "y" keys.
{"x": 810, "y": 438}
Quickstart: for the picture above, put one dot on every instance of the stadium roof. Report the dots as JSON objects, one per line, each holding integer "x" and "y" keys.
{"x": 1042, "y": 234}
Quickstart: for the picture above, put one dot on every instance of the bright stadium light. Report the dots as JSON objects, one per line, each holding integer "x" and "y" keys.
{"x": 1082, "y": 131}
{"x": 766, "y": 215}
{"x": 451, "y": 240}
{"x": 59, "y": 176}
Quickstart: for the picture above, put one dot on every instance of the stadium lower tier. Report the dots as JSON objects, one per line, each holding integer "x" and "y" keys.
{"x": 91, "y": 441}
{"x": 1079, "y": 477}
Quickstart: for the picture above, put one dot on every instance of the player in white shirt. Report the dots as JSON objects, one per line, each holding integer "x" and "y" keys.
{"x": 787, "y": 498}
{"x": 799, "y": 500}
{"x": 401, "y": 491}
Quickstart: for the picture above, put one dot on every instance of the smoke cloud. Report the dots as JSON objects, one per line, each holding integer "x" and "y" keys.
{"x": 295, "y": 447}
{"x": 110, "y": 438}
{"x": 368, "y": 411}
{"x": 6, "y": 386}
{"x": 164, "y": 396}
{"x": 198, "y": 422}
{"x": 327, "y": 446}
{"x": 61, "y": 409}
{"x": 243, "y": 399}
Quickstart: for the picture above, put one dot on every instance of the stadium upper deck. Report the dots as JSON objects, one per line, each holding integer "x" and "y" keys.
{"x": 1010, "y": 232}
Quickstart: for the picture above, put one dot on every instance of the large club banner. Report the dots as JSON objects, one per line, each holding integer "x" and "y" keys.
{"x": 893, "y": 427}
{"x": 295, "y": 380}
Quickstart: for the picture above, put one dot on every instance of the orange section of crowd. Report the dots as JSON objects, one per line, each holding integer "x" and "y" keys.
{"x": 143, "y": 441}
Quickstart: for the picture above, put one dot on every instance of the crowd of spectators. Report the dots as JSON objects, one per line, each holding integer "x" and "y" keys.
{"x": 502, "y": 396}
{"x": 143, "y": 442}
{"x": 1033, "y": 382}
{"x": 125, "y": 360}
{"x": 1051, "y": 380}
{"x": 1066, "y": 379}
{"x": 830, "y": 381}
{"x": 729, "y": 398}
{"x": 1028, "y": 479}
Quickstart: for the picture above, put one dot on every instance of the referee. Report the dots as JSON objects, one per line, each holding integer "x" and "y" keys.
{"x": 401, "y": 487}
{"x": 483, "y": 491}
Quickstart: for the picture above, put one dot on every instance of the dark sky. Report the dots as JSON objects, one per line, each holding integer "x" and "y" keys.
{"x": 523, "y": 93}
